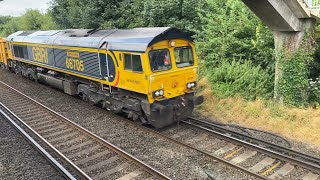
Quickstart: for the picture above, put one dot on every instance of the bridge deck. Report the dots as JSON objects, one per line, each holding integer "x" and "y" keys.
{"x": 285, "y": 15}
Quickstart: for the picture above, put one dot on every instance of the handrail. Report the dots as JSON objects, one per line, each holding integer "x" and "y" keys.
{"x": 313, "y": 4}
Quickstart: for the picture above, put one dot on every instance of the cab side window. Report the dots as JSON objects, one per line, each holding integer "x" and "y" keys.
{"x": 21, "y": 51}
{"x": 132, "y": 63}
{"x": 127, "y": 62}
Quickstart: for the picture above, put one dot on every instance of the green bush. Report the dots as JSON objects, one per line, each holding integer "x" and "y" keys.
{"x": 241, "y": 79}
{"x": 314, "y": 92}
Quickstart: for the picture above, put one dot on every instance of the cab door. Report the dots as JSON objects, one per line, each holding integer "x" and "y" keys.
{"x": 107, "y": 64}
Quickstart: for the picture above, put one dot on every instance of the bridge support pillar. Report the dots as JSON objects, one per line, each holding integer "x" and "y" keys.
{"x": 289, "y": 42}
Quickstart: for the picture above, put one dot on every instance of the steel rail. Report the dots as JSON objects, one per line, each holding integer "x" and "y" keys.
{"x": 260, "y": 145}
{"x": 107, "y": 144}
{"x": 161, "y": 135}
{"x": 214, "y": 157}
{"x": 201, "y": 151}
{"x": 37, "y": 146}
{"x": 198, "y": 150}
{"x": 264, "y": 143}
{"x": 146, "y": 130}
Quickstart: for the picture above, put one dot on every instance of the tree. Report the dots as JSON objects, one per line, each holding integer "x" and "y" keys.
{"x": 84, "y": 13}
{"x": 31, "y": 20}
{"x": 3, "y": 24}
{"x": 48, "y": 23}
{"x": 10, "y": 27}
{"x": 183, "y": 14}
{"x": 230, "y": 31}
{"x": 127, "y": 13}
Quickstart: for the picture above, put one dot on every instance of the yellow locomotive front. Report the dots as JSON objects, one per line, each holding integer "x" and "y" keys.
{"x": 173, "y": 78}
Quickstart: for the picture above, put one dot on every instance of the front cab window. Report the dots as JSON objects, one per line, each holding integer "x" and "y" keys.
{"x": 183, "y": 56}
{"x": 160, "y": 60}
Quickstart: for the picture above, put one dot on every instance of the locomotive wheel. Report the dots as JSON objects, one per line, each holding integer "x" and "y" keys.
{"x": 85, "y": 97}
{"x": 30, "y": 77}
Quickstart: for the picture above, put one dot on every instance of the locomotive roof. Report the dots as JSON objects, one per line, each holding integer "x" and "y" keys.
{"x": 137, "y": 39}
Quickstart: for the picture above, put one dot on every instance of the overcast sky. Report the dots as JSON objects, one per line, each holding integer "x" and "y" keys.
{"x": 18, "y": 7}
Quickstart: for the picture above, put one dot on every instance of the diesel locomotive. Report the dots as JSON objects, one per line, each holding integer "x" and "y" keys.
{"x": 150, "y": 74}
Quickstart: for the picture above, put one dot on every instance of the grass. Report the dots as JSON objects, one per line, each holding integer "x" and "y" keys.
{"x": 293, "y": 123}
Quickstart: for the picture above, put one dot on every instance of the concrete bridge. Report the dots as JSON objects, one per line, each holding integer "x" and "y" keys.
{"x": 289, "y": 20}
{"x": 285, "y": 15}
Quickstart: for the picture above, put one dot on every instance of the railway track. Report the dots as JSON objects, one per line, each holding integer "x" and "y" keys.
{"x": 257, "y": 158}
{"x": 265, "y": 159}
{"x": 84, "y": 154}
{"x": 6, "y": 116}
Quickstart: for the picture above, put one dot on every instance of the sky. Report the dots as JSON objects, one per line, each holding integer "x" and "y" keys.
{"x": 18, "y": 7}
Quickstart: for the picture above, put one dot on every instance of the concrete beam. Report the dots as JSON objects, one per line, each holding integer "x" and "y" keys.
{"x": 275, "y": 14}
{"x": 315, "y": 13}
{"x": 299, "y": 8}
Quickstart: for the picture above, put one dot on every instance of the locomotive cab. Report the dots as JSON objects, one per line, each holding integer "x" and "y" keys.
{"x": 173, "y": 79}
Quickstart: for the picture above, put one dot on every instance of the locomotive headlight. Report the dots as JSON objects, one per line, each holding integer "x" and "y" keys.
{"x": 161, "y": 92}
{"x": 172, "y": 43}
{"x": 158, "y": 93}
{"x": 191, "y": 85}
